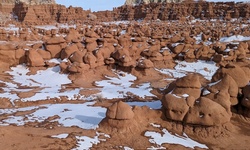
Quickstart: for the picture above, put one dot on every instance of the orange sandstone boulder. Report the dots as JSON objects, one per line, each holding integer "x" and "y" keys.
{"x": 207, "y": 112}
{"x": 120, "y": 111}
{"x": 35, "y": 59}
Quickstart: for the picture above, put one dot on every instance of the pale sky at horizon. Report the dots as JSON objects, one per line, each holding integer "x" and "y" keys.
{"x": 97, "y": 5}
{"x": 94, "y": 5}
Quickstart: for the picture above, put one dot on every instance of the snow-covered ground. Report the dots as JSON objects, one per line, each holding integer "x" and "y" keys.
{"x": 166, "y": 137}
{"x": 68, "y": 115}
{"x": 50, "y": 83}
{"x": 119, "y": 87}
{"x": 235, "y": 38}
{"x": 205, "y": 68}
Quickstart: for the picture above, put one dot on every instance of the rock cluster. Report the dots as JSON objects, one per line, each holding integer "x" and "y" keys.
{"x": 208, "y": 105}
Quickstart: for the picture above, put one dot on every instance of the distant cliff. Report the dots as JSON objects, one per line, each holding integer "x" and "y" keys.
{"x": 30, "y": 2}
{"x": 136, "y": 2}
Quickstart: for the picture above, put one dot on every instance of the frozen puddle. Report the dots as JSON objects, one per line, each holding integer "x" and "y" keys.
{"x": 166, "y": 137}
{"x": 68, "y": 115}
{"x": 205, "y": 68}
{"x": 120, "y": 87}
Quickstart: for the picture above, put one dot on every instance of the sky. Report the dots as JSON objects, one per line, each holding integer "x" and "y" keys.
{"x": 94, "y": 5}
{"x": 97, "y": 5}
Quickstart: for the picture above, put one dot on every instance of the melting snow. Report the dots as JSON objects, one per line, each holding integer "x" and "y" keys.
{"x": 60, "y": 136}
{"x": 85, "y": 142}
{"x": 120, "y": 87}
{"x": 184, "y": 140}
{"x": 205, "y": 68}
{"x": 50, "y": 81}
{"x": 234, "y": 38}
{"x": 69, "y": 115}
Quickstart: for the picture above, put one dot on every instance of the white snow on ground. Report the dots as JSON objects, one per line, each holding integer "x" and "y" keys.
{"x": 116, "y": 22}
{"x": 233, "y": 38}
{"x": 11, "y": 27}
{"x": 69, "y": 115}
{"x": 152, "y": 105}
{"x": 199, "y": 40}
{"x": 61, "y": 136}
{"x": 120, "y": 87}
{"x": 205, "y": 68}
{"x": 50, "y": 81}
{"x": 50, "y": 27}
{"x": 127, "y": 148}
{"x": 159, "y": 139}
{"x": 85, "y": 142}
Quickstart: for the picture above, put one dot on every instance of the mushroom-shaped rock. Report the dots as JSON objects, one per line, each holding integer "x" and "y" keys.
{"x": 235, "y": 71}
{"x": 222, "y": 98}
{"x": 176, "y": 106}
{"x": 207, "y": 112}
{"x": 120, "y": 111}
{"x": 226, "y": 84}
{"x": 189, "y": 81}
{"x": 189, "y": 84}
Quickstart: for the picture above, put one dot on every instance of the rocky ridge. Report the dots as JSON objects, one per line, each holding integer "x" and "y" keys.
{"x": 137, "y": 2}
{"x": 29, "y": 2}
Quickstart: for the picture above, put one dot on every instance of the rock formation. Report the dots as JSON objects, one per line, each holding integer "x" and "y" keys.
{"x": 29, "y": 2}
{"x": 137, "y": 2}
{"x": 152, "y": 11}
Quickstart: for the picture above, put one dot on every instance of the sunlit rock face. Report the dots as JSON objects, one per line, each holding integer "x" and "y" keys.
{"x": 31, "y": 2}
{"x": 135, "y": 2}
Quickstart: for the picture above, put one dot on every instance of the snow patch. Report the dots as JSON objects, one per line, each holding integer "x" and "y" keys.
{"x": 234, "y": 38}
{"x": 69, "y": 115}
{"x": 157, "y": 138}
{"x": 120, "y": 87}
{"x": 205, "y": 68}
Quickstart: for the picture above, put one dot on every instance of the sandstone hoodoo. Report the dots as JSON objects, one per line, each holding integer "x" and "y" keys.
{"x": 132, "y": 77}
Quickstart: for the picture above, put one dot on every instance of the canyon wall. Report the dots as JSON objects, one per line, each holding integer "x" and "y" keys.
{"x": 176, "y": 11}
{"x": 45, "y": 13}
{"x": 30, "y": 2}
{"x": 42, "y": 13}
{"x": 137, "y": 2}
